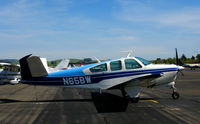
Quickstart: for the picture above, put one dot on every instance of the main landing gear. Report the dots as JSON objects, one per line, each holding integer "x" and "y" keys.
{"x": 175, "y": 94}
{"x": 132, "y": 100}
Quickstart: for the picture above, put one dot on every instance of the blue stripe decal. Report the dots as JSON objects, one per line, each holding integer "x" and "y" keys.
{"x": 91, "y": 79}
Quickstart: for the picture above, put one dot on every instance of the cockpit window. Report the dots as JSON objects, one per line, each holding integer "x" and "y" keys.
{"x": 99, "y": 68}
{"x": 116, "y": 65}
{"x": 144, "y": 61}
{"x": 132, "y": 64}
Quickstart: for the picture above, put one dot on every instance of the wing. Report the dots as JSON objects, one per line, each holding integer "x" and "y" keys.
{"x": 133, "y": 86}
{"x": 142, "y": 81}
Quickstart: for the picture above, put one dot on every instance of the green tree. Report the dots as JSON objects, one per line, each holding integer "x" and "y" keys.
{"x": 183, "y": 58}
{"x": 198, "y": 57}
{"x": 158, "y": 61}
{"x": 171, "y": 61}
{"x": 193, "y": 58}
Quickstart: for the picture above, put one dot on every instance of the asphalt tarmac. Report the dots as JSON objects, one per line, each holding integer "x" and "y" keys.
{"x": 25, "y": 104}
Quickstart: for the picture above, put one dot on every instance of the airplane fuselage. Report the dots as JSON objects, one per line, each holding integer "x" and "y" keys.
{"x": 82, "y": 77}
{"x": 128, "y": 74}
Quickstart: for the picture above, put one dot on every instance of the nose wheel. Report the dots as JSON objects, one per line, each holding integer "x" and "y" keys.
{"x": 175, "y": 94}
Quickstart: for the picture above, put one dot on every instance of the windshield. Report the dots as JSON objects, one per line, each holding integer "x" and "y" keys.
{"x": 99, "y": 68}
{"x": 144, "y": 61}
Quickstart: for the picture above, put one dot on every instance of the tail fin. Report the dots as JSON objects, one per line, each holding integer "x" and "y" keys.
{"x": 63, "y": 64}
{"x": 25, "y": 70}
{"x": 33, "y": 66}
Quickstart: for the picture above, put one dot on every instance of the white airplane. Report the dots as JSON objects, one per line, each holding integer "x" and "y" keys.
{"x": 64, "y": 64}
{"x": 10, "y": 73}
{"x": 129, "y": 74}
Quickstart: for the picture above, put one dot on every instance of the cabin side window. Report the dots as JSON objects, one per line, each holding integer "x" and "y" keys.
{"x": 99, "y": 68}
{"x": 132, "y": 64}
{"x": 116, "y": 65}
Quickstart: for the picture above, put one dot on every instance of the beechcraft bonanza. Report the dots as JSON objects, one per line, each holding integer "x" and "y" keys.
{"x": 10, "y": 73}
{"x": 129, "y": 74}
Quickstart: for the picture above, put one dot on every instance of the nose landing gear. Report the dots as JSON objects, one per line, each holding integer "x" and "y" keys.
{"x": 175, "y": 94}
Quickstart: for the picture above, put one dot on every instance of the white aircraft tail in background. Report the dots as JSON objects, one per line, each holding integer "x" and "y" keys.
{"x": 64, "y": 64}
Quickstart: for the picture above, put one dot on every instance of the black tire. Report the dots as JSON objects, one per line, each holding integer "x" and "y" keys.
{"x": 175, "y": 95}
{"x": 124, "y": 94}
{"x": 135, "y": 100}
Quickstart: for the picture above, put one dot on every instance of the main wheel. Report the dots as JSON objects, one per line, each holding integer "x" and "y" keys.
{"x": 175, "y": 95}
{"x": 124, "y": 94}
{"x": 135, "y": 100}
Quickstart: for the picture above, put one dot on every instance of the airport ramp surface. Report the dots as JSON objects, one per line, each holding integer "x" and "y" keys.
{"x": 25, "y": 104}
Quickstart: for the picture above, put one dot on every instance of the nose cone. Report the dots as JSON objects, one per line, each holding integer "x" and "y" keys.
{"x": 180, "y": 68}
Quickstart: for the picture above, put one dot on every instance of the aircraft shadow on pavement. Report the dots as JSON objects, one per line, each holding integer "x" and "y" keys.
{"x": 104, "y": 102}
{"x": 2, "y": 101}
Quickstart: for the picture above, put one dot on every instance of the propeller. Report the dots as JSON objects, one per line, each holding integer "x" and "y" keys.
{"x": 177, "y": 60}
{"x": 178, "y": 63}
{"x": 181, "y": 72}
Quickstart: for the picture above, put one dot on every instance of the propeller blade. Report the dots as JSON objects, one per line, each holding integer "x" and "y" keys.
{"x": 181, "y": 73}
{"x": 177, "y": 61}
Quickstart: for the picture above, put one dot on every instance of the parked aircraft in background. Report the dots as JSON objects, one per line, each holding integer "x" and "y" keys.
{"x": 64, "y": 64}
{"x": 179, "y": 62}
{"x": 10, "y": 73}
{"x": 130, "y": 75}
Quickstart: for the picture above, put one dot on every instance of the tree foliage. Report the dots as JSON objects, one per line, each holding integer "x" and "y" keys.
{"x": 198, "y": 57}
{"x": 192, "y": 58}
{"x": 183, "y": 58}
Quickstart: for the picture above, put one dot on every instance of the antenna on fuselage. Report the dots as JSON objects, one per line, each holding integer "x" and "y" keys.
{"x": 129, "y": 53}
{"x": 97, "y": 59}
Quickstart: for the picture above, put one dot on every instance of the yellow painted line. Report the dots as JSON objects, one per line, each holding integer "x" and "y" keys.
{"x": 154, "y": 101}
{"x": 3, "y": 96}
